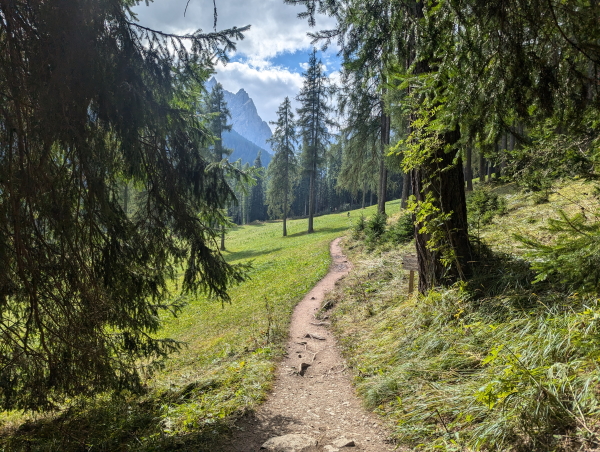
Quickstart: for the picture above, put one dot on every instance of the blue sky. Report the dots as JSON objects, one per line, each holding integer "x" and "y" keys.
{"x": 268, "y": 62}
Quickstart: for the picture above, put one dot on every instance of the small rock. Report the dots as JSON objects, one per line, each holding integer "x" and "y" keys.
{"x": 312, "y": 298}
{"x": 343, "y": 442}
{"x": 290, "y": 443}
{"x": 314, "y": 336}
{"x": 331, "y": 449}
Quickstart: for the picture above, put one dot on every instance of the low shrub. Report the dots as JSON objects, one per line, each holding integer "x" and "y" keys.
{"x": 402, "y": 231}
{"x": 483, "y": 205}
{"x": 359, "y": 227}
{"x": 573, "y": 257}
{"x": 376, "y": 227}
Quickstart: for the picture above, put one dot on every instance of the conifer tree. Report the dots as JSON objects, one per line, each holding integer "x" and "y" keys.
{"x": 257, "y": 196}
{"x": 216, "y": 107}
{"x": 313, "y": 121}
{"x": 92, "y": 101}
{"x": 283, "y": 169}
{"x": 219, "y": 113}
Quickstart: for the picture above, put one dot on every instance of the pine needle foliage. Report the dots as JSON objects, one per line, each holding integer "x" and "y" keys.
{"x": 573, "y": 257}
{"x": 91, "y": 100}
{"x": 313, "y": 123}
{"x": 482, "y": 205}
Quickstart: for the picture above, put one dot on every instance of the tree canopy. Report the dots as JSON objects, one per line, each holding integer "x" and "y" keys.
{"x": 473, "y": 72}
{"x": 313, "y": 123}
{"x": 91, "y": 100}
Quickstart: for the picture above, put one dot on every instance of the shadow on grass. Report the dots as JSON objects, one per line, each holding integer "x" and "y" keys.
{"x": 503, "y": 286}
{"x": 250, "y": 254}
{"x": 116, "y": 424}
{"x": 319, "y": 230}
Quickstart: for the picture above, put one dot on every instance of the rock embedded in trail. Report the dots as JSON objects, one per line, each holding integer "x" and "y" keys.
{"x": 343, "y": 442}
{"x": 314, "y": 336}
{"x": 290, "y": 443}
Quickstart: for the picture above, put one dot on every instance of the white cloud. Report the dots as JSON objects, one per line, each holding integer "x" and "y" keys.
{"x": 275, "y": 30}
{"x": 275, "y": 26}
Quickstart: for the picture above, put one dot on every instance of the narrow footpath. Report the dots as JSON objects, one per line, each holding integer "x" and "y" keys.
{"x": 313, "y": 405}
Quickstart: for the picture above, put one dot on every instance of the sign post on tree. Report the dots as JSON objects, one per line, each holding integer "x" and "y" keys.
{"x": 409, "y": 262}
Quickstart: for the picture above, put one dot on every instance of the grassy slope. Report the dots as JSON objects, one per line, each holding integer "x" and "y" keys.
{"x": 498, "y": 364}
{"x": 226, "y": 367}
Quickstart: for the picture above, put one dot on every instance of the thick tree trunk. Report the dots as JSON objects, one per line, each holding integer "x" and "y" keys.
{"x": 445, "y": 180}
{"x": 448, "y": 187}
{"x": 469, "y": 168}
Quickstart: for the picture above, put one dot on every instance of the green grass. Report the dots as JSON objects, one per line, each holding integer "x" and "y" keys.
{"x": 226, "y": 367}
{"x": 496, "y": 364}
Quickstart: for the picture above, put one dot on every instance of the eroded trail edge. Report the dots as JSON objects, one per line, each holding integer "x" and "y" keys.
{"x": 312, "y": 394}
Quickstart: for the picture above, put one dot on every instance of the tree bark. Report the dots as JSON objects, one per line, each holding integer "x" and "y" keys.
{"x": 385, "y": 141}
{"x": 285, "y": 197}
{"x": 469, "y": 168}
{"x": 444, "y": 178}
{"x": 405, "y": 190}
{"x": 364, "y": 195}
{"x": 481, "y": 167}
{"x": 311, "y": 198}
{"x": 448, "y": 187}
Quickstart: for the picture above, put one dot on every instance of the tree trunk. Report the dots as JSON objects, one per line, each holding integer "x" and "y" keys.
{"x": 222, "y": 238}
{"x": 405, "y": 190}
{"x": 364, "y": 195}
{"x": 469, "y": 168}
{"x": 126, "y": 199}
{"x": 385, "y": 141}
{"x": 444, "y": 178}
{"x": 481, "y": 167}
{"x": 448, "y": 188}
{"x": 311, "y": 198}
{"x": 285, "y": 208}
{"x": 502, "y": 155}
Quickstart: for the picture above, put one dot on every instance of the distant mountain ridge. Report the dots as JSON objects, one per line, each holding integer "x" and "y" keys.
{"x": 248, "y": 125}
{"x": 244, "y": 149}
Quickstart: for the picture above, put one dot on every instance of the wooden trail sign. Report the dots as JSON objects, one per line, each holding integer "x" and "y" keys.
{"x": 410, "y": 263}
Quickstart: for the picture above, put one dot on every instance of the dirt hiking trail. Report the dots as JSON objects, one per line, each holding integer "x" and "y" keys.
{"x": 312, "y": 395}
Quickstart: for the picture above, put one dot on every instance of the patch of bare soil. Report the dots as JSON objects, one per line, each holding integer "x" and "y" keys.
{"x": 312, "y": 394}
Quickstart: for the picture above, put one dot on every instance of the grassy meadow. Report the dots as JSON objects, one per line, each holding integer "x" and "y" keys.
{"x": 499, "y": 363}
{"x": 226, "y": 366}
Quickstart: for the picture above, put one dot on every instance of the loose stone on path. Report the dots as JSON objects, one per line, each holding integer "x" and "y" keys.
{"x": 312, "y": 396}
